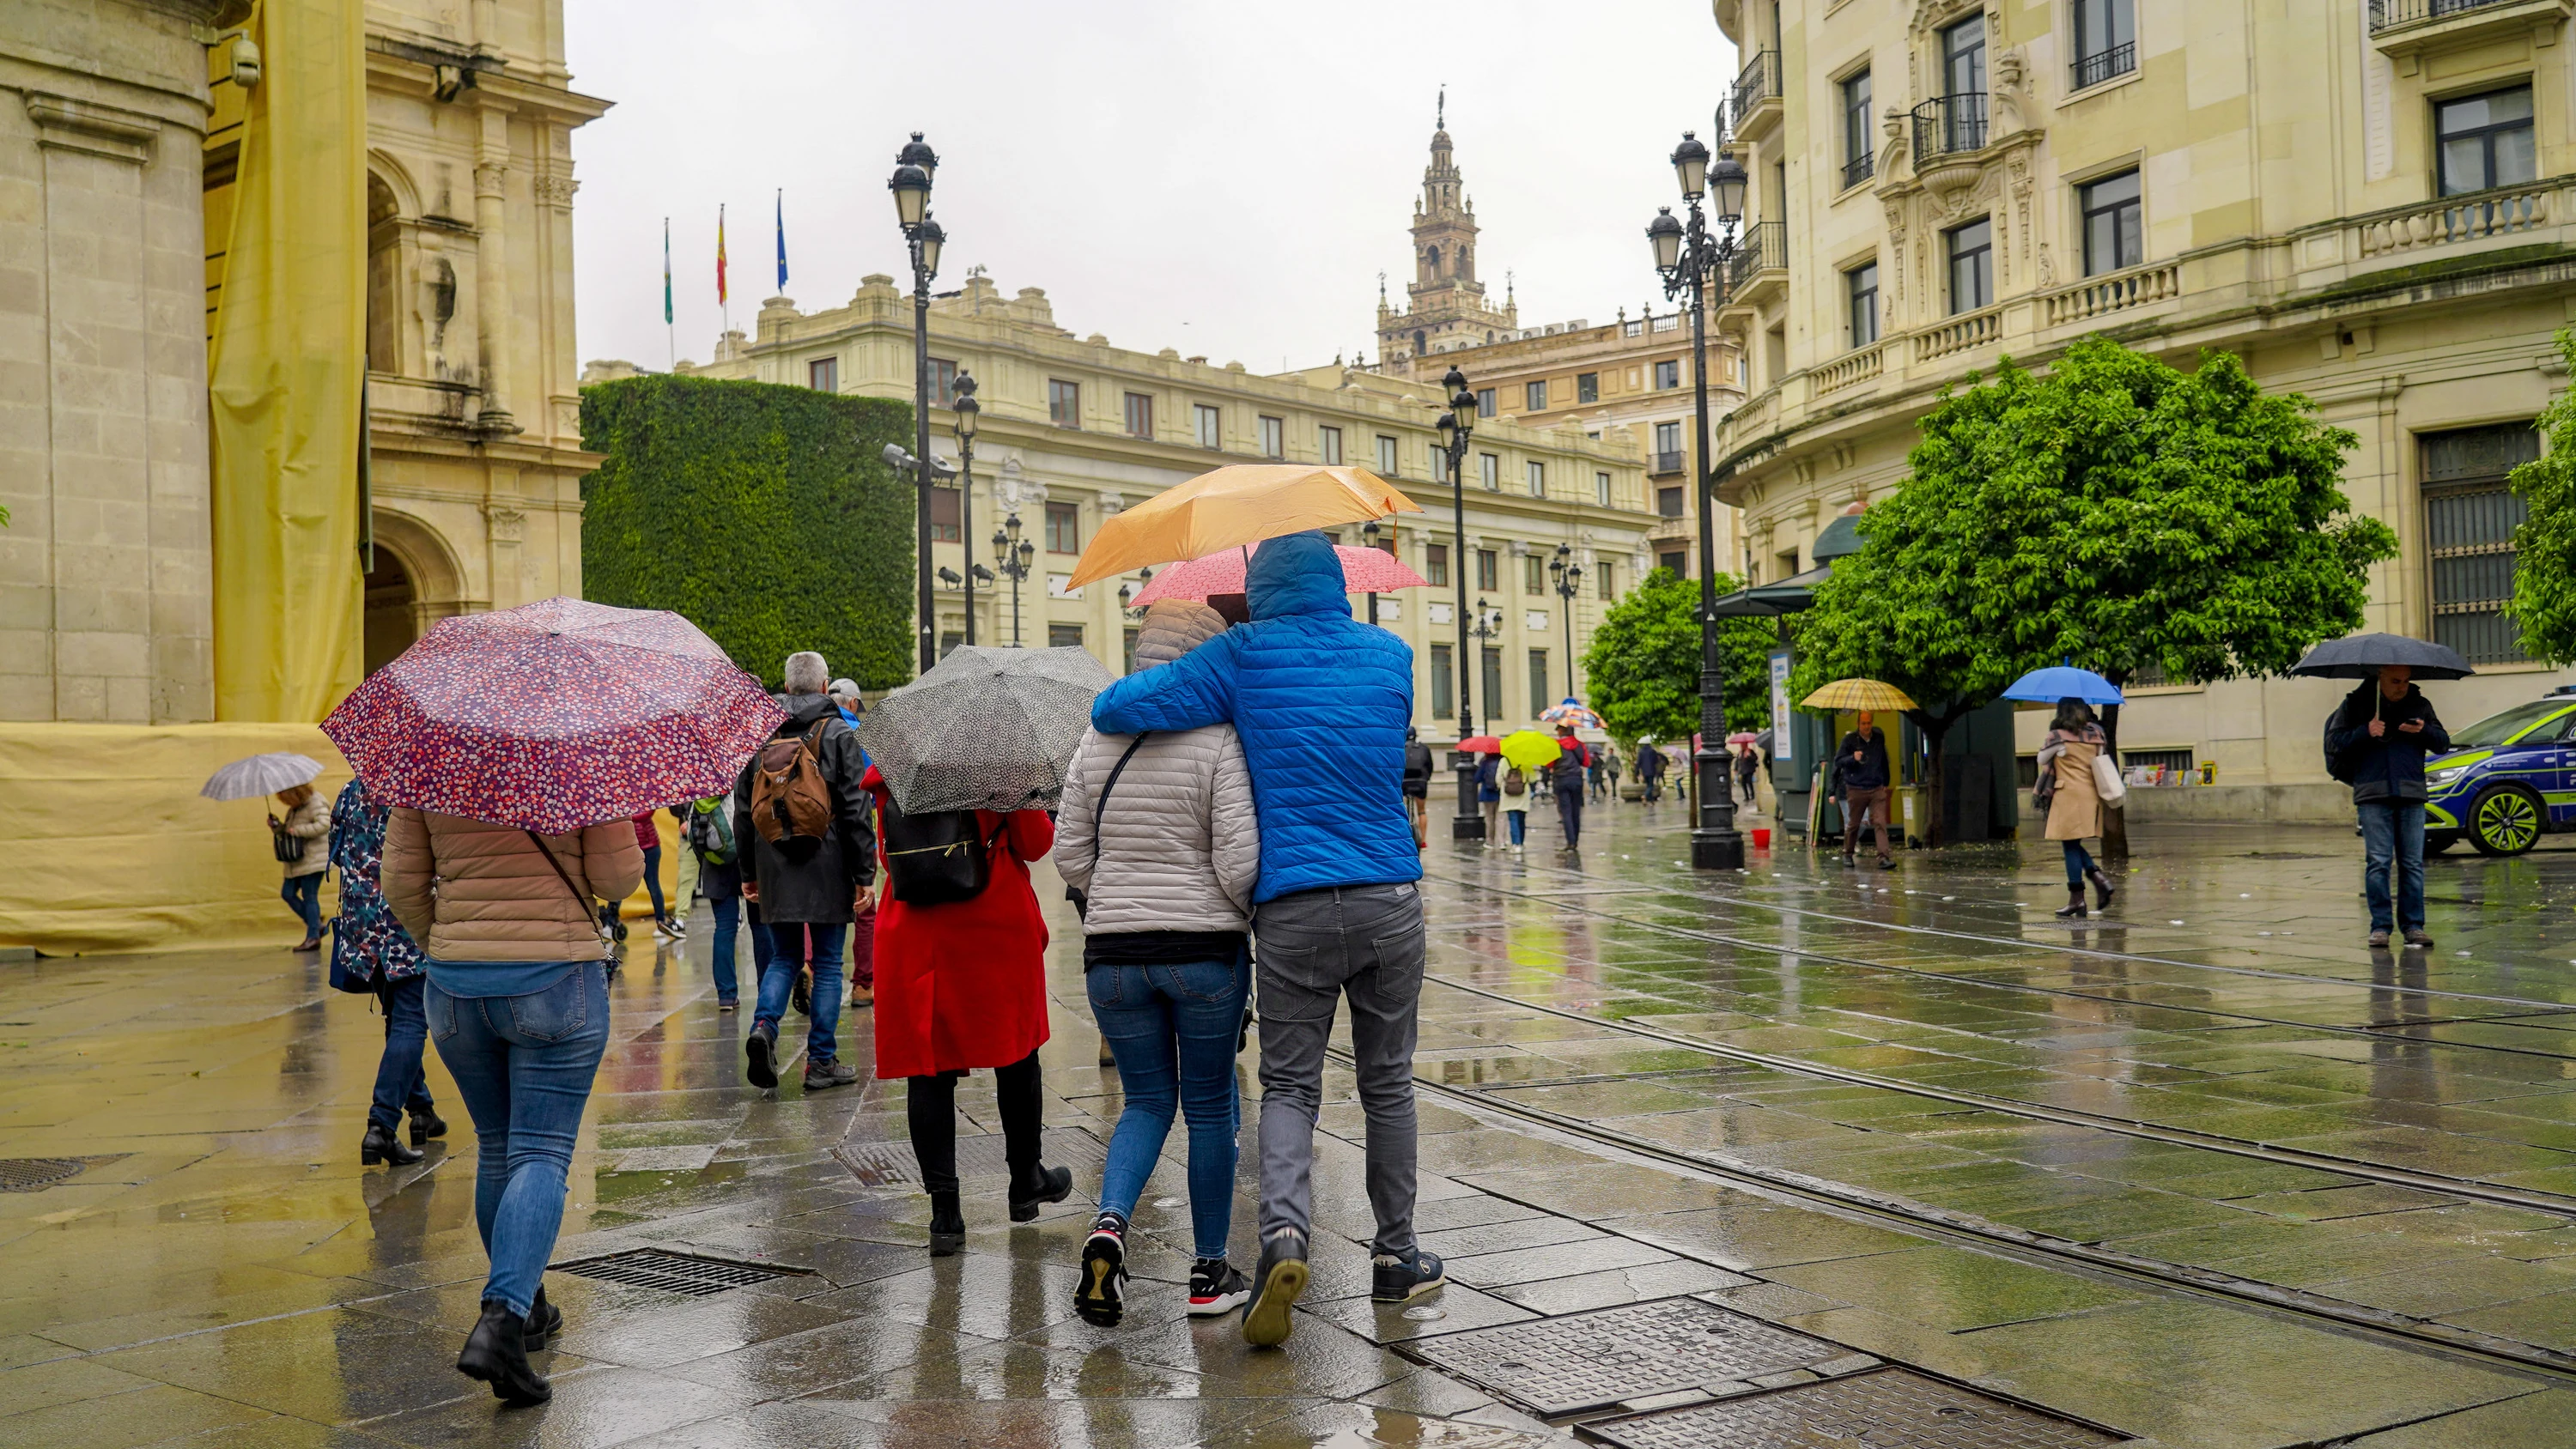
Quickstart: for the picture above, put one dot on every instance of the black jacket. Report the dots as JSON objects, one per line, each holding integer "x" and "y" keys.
{"x": 2390, "y": 767}
{"x": 1869, "y": 771}
{"x": 1417, "y": 768}
{"x": 823, "y": 889}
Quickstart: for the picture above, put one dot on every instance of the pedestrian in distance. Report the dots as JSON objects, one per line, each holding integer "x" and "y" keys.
{"x": 1747, "y": 766}
{"x": 961, "y": 986}
{"x": 1863, "y": 758}
{"x": 807, "y": 840}
{"x": 2377, "y": 743}
{"x": 1650, "y": 771}
{"x": 648, "y": 839}
{"x": 303, "y": 848}
{"x": 1594, "y": 773}
{"x": 1612, "y": 765}
{"x": 1516, "y": 804}
{"x": 1159, "y": 842}
{"x": 1489, "y": 793}
{"x": 518, "y": 1004}
{"x": 1417, "y": 787}
{"x": 709, "y": 836}
{"x": 2072, "y": 795}
{"x": 1321, "y": 701}
{"x": 370, "y": 951}
{"x": 1574, "y": 761}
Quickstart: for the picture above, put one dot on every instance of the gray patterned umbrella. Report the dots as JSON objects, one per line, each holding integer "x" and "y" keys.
{"x": 986, "y": 729}
{"x": 261, "y": 775}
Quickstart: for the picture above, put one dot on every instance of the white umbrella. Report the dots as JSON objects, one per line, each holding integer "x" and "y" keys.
{"x": 260, "y": 775}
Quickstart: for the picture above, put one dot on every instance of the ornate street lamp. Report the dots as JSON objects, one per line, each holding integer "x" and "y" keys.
{"x": 1690, "y": 260}
{"x": 1014, "y": 558}
{"x": 1456, "y": 425}
{"x": 922, "y": 237}
{"x": 968, "y": 412}
{"x": 1568, "y": 576}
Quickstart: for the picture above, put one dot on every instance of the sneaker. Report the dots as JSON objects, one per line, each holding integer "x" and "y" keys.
{"x": 1216, "y": 1287}
{"x": 666, "y": 929}
{"x": 1097, "y": 1298}
{"x": 2418, "y": 936}
{"x": 1850, "y": 863}
{"x": 1886, "y": 864}
{"x": 759, "y": 1049}
{"x": 728, "y": 1003}
{"x": 1399, "y": 1280}
{"x": 823, "y": 1076}
{"x": 2378, "y": 939}
{"x": 1281, "y": 1277}
{"x": 678, "y": 927}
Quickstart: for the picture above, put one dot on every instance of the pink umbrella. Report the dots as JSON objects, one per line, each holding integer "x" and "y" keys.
{"x": 1364, "y": 571}
{"x": 553, "y": 716}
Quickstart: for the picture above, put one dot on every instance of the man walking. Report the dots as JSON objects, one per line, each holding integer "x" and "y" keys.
{"x": 1573, "y": 761}
{"x": 2378, "y": 742}
{"x": 1417, "y": 787}
{"x": 1863, "y": 757}
{"x": 1321, "y": 702}
{"x": 1650, "y": 771}
{"x": 807, "y": 845}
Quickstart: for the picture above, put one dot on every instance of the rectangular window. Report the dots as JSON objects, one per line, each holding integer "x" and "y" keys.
{"x": 1484, "y": 402}
{"x": 1444, "y": 683}
{"x": 2469, "y": 518}
{"x": 2114, "y": 236}
{"x": 2106, "y": 40}
{"x": 943, "y": 383}
{"x": 1539, "y": 692}
{"x": 1601, "y": 489}
{"x": 1587, "y": 387}
{"x": 1493, "y": 686}
{"x": 1606, "y": 573}
{"x": 1328, "y": 443}
{"x": 1435, "y": 565}
{"x": 1211, "y": 426}
{"x": 823, "y": 374}
{"x": 1676, "y": 564}
{"x": 1963, "y": 58}
{"x": 1668, "y": 447}
{"x": 1859, "y": 132}
{"x": 1490, "y": 468}
{"x": 1439, "y": 464}
{"x": 1489, "y": 570}
{"x": 1534, "y": 575}
{"x": 1860, "y": 286}
{"x": 1537, "y": 478}
{"x": 2485, "y": 140}
{"x": 1668, "y": 374}
{"x": 1386, "y": 466}
{"x": 1534, "y": 397}
{"x": 1064, "y": 403}
{"x": 1140, "y": 415}
{"x": 1064, "y": 636}
{"x": 1063, "y": 528}
{"x": 1972, "y": 265}
{"x": 949, "y": 639}
{"x": 1668, "y": 503}
{"x": 943, "y": 515}
{"x": 1274, "y": 438}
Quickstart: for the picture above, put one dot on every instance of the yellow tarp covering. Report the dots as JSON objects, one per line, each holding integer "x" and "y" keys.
{"x": 284, "y": 372}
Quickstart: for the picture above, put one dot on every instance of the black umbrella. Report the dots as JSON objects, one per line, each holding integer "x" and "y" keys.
{"x": 2362, "y": 656}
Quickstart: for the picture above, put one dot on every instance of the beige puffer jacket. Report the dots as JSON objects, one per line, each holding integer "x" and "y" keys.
{"x": 468, "y": 890}
{"x": 1181, "y": 846}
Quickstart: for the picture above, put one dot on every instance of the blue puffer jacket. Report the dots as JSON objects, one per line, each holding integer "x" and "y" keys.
{"x": 1321, "y": 701}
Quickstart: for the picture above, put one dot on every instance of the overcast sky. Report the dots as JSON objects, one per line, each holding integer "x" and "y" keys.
{"x": 1221, "y": 177}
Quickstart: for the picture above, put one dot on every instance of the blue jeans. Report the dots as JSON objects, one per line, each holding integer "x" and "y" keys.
{"x": 653, "y": 882}
{"x": 1172, "y": 1030}
{"x": 1520, "y": 823}
{"x": 303, "y": 895}
{"x": 728, "y": 911}
{"x": 524, "y": 1066}
{"x": 790, "y": 942}
{"x": 400, "y": 1083}
{"x": 2392, "y": 831}
{"x": 2078, "y": 860}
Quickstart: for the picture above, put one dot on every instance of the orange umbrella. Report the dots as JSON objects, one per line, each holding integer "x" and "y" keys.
{"x": 1237, "y": 504}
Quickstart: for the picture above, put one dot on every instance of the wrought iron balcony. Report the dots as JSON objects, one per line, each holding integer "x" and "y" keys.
{"x": 1756, "y": 101}
{"x": 2391, "y": 14}
{"x": 1763, "y": 249}
{"x": 1949, "y": 125}
{"x": 2102, "y": 65}
{"x": 1859, "y": 169}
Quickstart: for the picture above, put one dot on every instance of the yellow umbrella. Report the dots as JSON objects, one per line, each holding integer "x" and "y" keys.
{"x": 1530, "y": 750}
{"x": 1237, "y": 504}
{"x": 1857, "y": 694}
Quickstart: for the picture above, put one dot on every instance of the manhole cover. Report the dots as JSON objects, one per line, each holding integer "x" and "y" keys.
{"x": 1590, "y": 1360}
{"x": 1890, "y": 1409}
{"x": 891, "y": 1164}
{"x": 27, "y": 1174}
{"x": 677, "y": 1272}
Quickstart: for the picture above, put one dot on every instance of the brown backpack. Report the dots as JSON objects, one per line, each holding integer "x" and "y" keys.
{"x": 791, "y": 805}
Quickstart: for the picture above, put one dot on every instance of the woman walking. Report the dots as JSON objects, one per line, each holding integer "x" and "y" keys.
{"x": 368, "y": 944}
{"x": 518, "y": 1004}
{"x": 307, "y": 822}
{"x": 1158, "y": 835}
{"x": 962, "y": 985}
{"x": 1489, "y": 793}
{"x": 2073, "y": 801}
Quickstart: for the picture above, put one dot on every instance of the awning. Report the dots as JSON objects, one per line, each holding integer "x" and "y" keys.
{"x": 1793, "y": 595}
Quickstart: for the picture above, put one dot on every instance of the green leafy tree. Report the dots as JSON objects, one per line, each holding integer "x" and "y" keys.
{"x": 2544, "y": 566}
{"x": 1643, "y": 662}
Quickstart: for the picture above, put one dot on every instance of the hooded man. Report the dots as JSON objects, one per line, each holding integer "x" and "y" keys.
{"x": 1321, "y": 702}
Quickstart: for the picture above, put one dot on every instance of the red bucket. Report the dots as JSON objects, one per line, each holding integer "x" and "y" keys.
{"x": 1761, "y": 839}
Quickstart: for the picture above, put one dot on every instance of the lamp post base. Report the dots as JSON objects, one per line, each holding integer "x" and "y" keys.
{"x": 1466, "y": 827}
{"x": 1714, "y": 850}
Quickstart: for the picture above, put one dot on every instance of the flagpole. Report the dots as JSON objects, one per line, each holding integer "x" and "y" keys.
{"x": 670, "y": 328}
{"x": 724, "y": 303}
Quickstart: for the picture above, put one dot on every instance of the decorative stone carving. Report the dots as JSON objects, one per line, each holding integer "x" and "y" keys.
{"x": 509, "y": 525}
{"x": 1891, "y": 154}
{"x": 2011, "y": 89}
{"x": 556, "y": 190}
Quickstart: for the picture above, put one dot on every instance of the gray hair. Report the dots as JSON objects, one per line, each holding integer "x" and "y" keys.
{"x": 1174, "y": 627}
{"x": 805, "y": 672}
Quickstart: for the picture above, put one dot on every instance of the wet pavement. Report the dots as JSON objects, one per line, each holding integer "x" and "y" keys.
{"x": 2205, "y": 1171}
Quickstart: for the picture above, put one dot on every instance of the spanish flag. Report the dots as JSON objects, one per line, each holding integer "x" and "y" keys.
{"x": 720, "y": 277}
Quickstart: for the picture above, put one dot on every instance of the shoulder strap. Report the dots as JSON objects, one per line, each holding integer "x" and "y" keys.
{"x": 578, "y": 898}
{"x": 1100, "y": 807}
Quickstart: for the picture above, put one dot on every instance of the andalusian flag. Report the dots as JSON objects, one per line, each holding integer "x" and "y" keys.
{"x": 782, "y": 242}
{"x": 666, "y": 271}
{"x": 720, "y": 260}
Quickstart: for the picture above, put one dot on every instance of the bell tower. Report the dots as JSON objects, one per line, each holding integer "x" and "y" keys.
{"x": 1445, "y": 302}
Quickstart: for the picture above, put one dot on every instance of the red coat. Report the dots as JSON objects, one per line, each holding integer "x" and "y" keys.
{"x": 964, "y": 985}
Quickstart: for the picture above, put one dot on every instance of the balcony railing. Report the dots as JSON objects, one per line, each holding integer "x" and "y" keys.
{"x": 2457, "y": 219}
{"x": 1859, "y": 169}
{"x": 1667, "y": 463}
{"x": 1759, "y": 81}
{"x": 1948, "y": 125}
{"x": 2392, "y": 14}
{"x": 1852, "y": 367}
{"x": 1960, "y": 333}
{"x": 1765, "y": 247}
{"x": 2118, "y": 292}
{"x": 2101, "y": 65}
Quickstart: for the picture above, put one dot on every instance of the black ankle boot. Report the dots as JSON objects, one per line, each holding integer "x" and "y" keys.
{"x": 2074, "y": 901}
{"x": 2102, "y": 891}
{"x": 426, "y": 1125}
{"x": 1035, "y": 1186}
{"x": 381, "y": 1145}
{"x": 497, "y": 1353}
{"x": 947, "y": 1225}
{"x": 544, "y": 1321}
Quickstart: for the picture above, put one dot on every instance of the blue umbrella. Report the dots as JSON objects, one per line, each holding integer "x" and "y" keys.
{"x": 2060, "y": 681}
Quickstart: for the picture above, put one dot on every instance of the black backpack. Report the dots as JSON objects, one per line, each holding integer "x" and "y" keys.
{"x": 2343, "y": 765}
{"x": 936, "y": 859}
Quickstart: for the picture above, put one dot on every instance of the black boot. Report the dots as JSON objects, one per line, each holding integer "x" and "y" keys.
{"x": 1035, "y": 1186}
{"x": 544, "y": 1321}
{"x": 2102, "y": 891}
{"x": 2074, "y": 901}
{"x": 426, "y": 1124}
{"x": 497, "y": 1353}
{"x": 947, "y": 1225}
{"x": 381, "y": 1145}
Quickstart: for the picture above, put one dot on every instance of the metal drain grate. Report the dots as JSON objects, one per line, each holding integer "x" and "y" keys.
{"x": 678, "y": 1272}
{"x": 29, "y": 1174}
{"x": 1889, "y": 1409}
{"x": 891, "y": 1164}
{"x": 1582, "y": 1361}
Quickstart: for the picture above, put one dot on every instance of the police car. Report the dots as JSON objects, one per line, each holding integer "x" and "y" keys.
{"x": 2508, "y": 780}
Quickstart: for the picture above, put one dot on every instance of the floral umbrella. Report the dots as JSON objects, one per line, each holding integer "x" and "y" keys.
{"x": 1570, "y": 712}
{"x": 554, "y": 715}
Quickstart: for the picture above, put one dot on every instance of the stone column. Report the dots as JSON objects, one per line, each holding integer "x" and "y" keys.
{"x": 491, "y": 269}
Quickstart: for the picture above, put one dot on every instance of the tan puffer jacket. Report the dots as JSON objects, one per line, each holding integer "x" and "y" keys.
{"x": 472, "y": 891}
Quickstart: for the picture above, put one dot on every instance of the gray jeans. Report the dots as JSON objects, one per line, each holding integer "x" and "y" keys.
{"x": 1364, "y": 942}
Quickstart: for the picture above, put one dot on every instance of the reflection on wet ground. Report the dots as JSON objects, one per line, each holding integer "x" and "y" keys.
{"x": 2218, "y": 1079}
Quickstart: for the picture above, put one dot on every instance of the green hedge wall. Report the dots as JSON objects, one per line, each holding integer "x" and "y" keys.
{"x": 763, "y": 514}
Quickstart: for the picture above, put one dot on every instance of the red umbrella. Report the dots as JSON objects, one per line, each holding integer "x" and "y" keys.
{"x": 553, "y": 716}
{"x": 1364, "y": 571}
{"x": 1481, "y": 745}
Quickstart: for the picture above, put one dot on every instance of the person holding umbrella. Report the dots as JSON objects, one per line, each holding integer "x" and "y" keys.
{"x": 2072, "y": 794}
{"x": 2377, "y": 741}
{"x": 1650, "y": 771}
{"x": 370, "y": 950}
{"x": 1566, "y": 777}
{"x": 300, "y": 838}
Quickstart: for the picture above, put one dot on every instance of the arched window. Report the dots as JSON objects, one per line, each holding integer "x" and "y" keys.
{"x": 1430, "y": 263}
{"x": 384, "y": 264}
